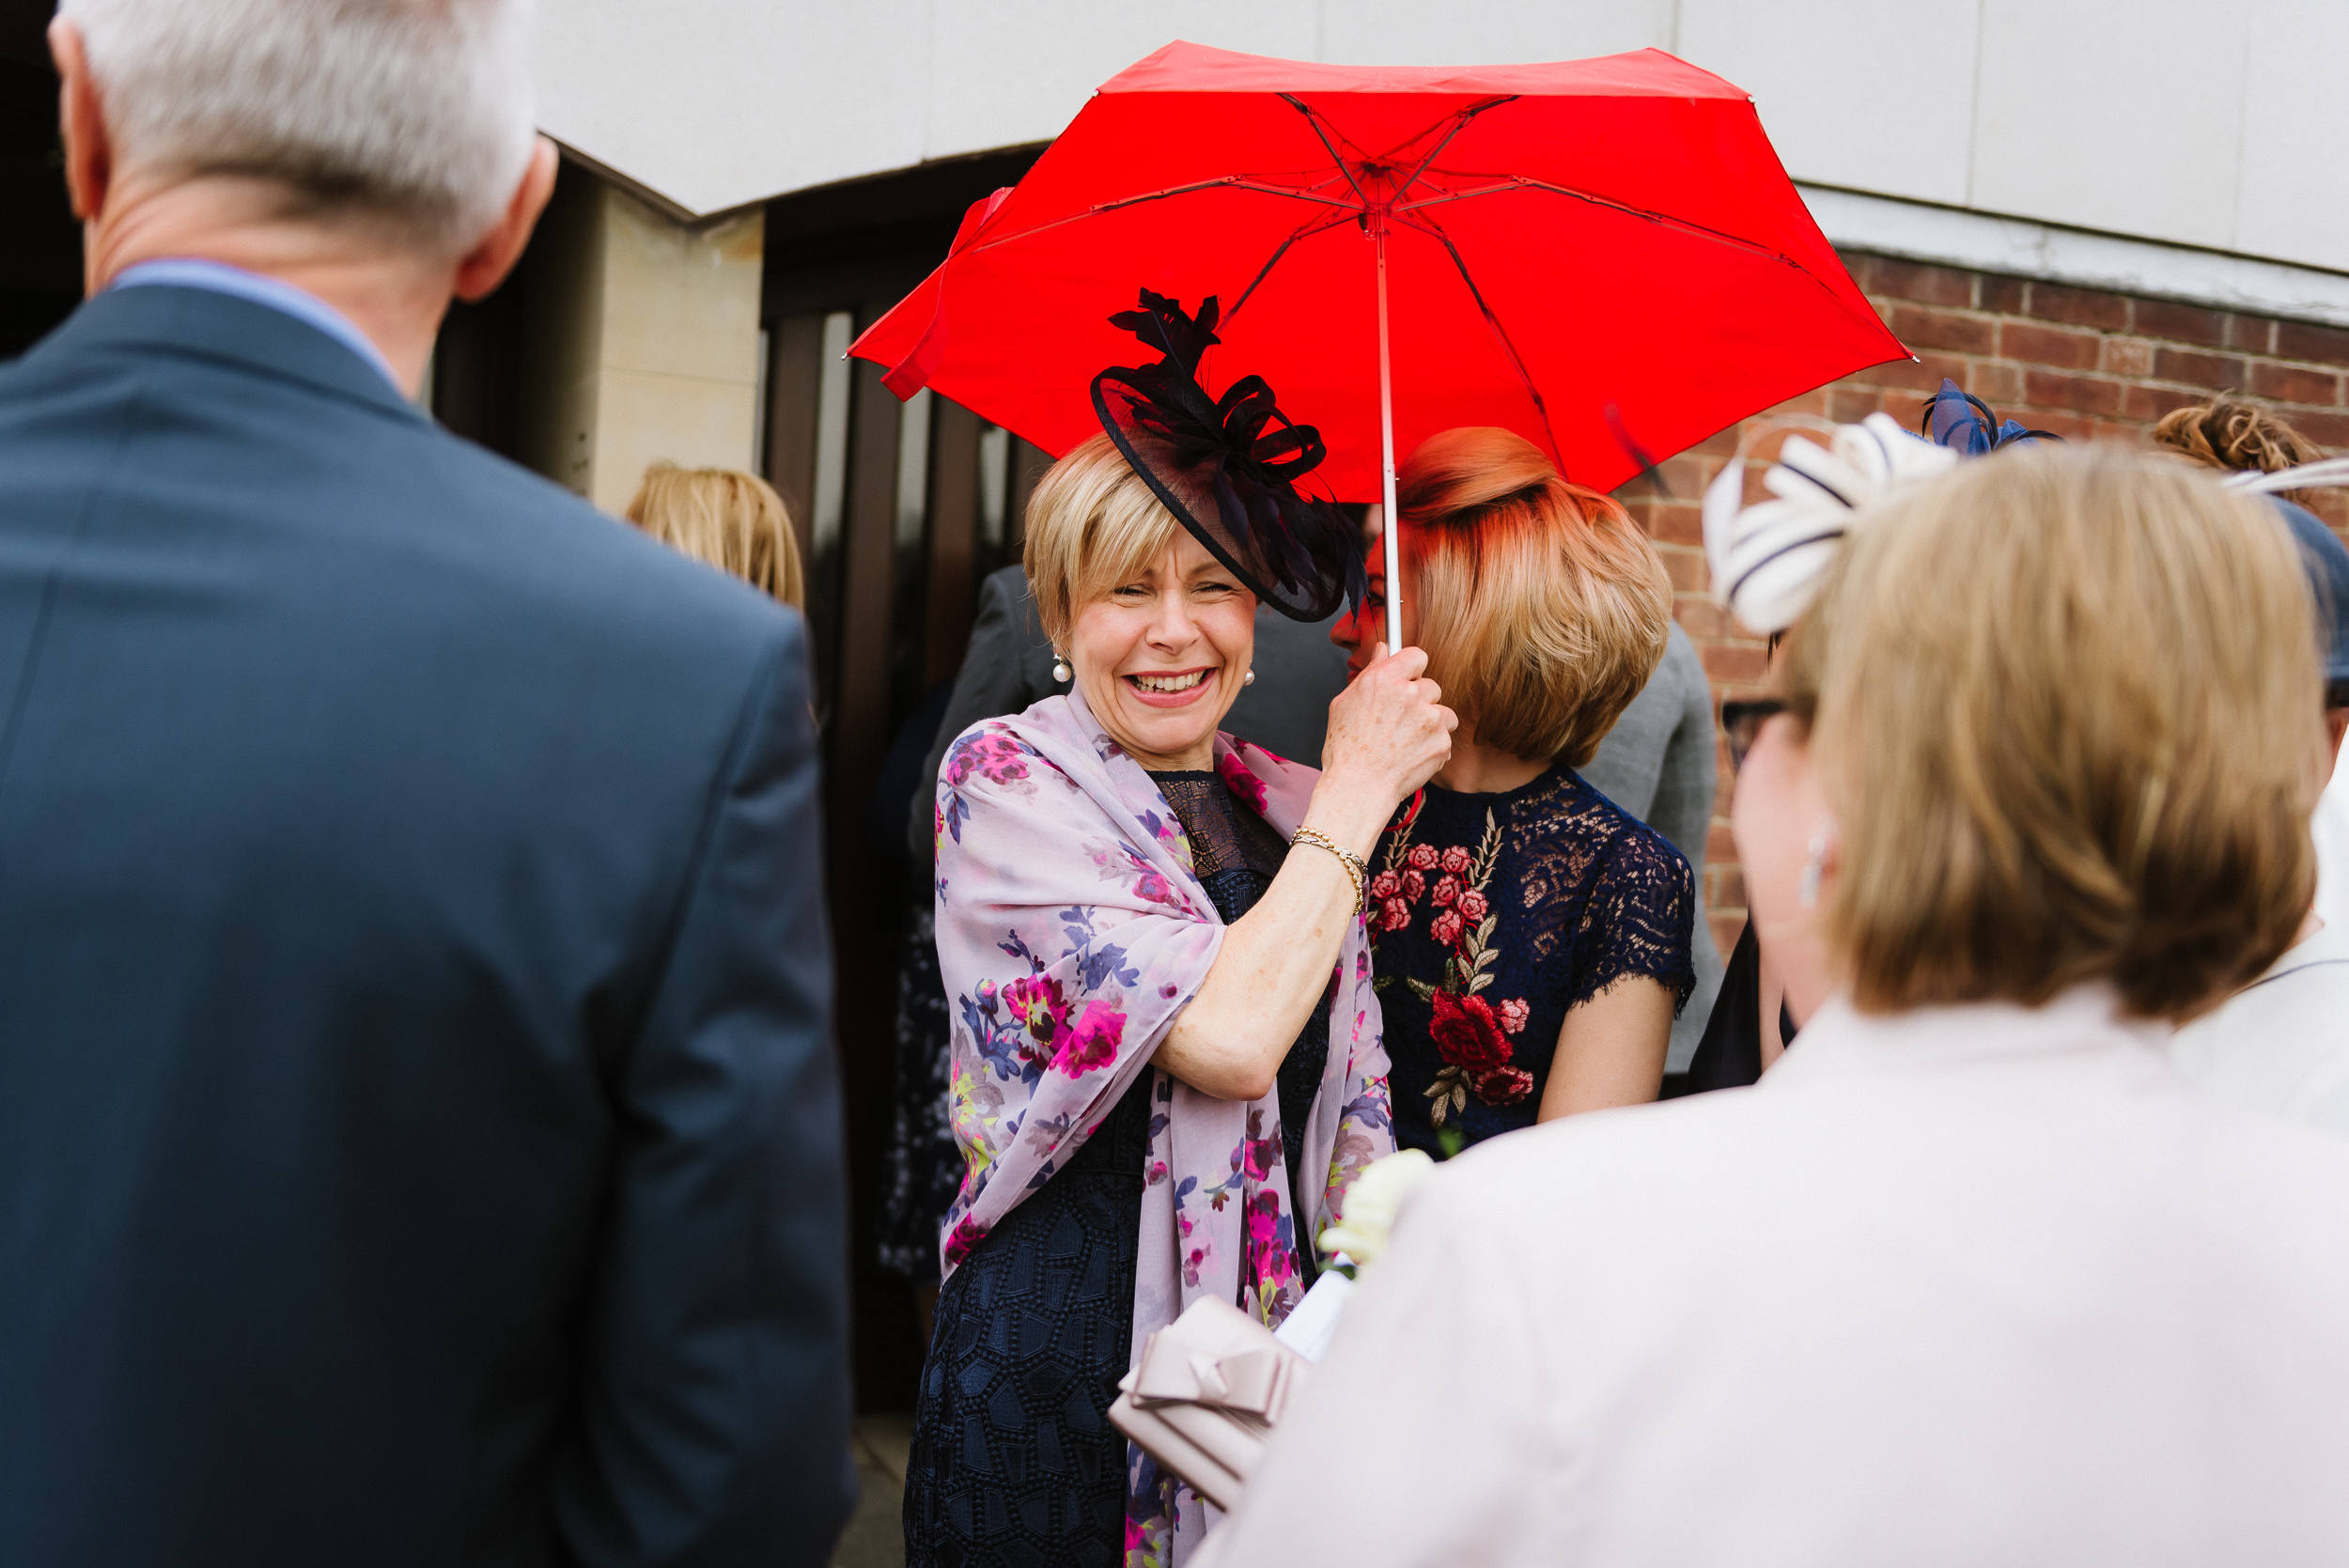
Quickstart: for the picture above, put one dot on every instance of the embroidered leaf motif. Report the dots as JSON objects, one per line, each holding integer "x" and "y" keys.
{"x": 1418, "y": 987}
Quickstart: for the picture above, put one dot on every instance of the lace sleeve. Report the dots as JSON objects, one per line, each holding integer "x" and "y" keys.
{"x": 1638, "y": 921}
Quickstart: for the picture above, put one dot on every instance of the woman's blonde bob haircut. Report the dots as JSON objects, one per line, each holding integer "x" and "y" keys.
{"x": 731, "y": 521}
{"x": 1543, "y": 608}
{"x": 1092, "y": 524}
{"x": 2068, "y": 718}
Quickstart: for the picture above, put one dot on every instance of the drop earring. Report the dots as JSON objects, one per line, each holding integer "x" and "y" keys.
{"x": 1249, "y": 679}
{"x": 1813, "y": 868}
{"x": 1060, "y": 667}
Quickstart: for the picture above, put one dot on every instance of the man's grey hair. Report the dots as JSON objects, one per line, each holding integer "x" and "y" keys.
{"x": 416, "y": 111}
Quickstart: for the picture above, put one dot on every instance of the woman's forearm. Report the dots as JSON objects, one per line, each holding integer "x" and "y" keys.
{"x": 1275, "y": 967}
{"x": 1272, "y": 971}
{"x": 1610, "y": 1049}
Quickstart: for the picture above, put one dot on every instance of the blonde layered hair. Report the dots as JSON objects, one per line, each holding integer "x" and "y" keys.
{"x": 1543, "y": 608}
{"x": 733, "y": 520}
{"x": 2068, "y": 719}
{"x": 1092, "y": 524}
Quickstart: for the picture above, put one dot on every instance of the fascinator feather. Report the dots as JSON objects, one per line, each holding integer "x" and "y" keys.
{"x": 1768, "y": 559}
{"x": 1228, "y": 467}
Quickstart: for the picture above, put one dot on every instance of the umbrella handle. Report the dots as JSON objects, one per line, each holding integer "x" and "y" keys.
{"x": 1390, "y": 526}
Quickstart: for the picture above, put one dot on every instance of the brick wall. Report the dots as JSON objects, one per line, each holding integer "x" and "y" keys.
{"x": 2086, "y": 365}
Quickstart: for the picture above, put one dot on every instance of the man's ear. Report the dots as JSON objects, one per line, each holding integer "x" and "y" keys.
{"x": 88, "y": 150}
{"x": 486, "y": 265}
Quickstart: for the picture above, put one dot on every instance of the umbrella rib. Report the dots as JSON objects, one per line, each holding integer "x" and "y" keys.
{"x": 1237, "y": 183}
{"x": 1304, "y": 231}
{"x": 1315, "y": 120}
{"x": 1519, "y": 182}
{"x": 1428, "y": 225}
{"x": 1459, "y": 122}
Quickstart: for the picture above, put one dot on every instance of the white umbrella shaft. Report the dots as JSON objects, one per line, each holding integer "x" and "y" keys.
{"x": 1389, "y": 528}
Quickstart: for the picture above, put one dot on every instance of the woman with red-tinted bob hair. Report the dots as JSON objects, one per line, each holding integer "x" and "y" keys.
{"x": 1532, "y": 938}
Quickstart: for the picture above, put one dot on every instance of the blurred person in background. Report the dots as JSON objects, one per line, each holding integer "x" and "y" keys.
{"x": 418, "y": 1131}
{"x": 1971, "y": 1277}
{"x": 726, "y": 519}
{"x": 2236, "y": 436}
{"x": 1530, "y": 937}
{"x": 2279, "y": 1045}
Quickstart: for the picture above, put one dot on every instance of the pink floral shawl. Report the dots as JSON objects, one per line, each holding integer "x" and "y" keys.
{"x": 1071, "y": 929}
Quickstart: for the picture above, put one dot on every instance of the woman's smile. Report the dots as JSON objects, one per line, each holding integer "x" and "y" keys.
{"x": 1169, "y": 687}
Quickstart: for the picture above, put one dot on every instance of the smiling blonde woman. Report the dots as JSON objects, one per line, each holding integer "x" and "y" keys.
{"x": 1167, "y": 1066}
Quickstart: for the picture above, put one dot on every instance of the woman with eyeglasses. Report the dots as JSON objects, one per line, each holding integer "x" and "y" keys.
{"x": 1532, "y": 938}
{"x": 1758, "y": 1010}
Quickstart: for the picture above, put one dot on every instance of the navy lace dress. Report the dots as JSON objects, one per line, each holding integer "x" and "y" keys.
{"x": 1492, "y": 915}
{"x": 1014, "y": 1459}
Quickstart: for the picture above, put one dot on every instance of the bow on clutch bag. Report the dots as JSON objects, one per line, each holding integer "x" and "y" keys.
{"x": 1205, "y": 1394}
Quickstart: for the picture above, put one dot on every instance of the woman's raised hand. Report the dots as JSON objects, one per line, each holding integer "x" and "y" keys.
{"x": 1389, "y": 733}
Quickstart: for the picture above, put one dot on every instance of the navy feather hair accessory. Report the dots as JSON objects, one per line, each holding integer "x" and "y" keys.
{"x": 1228, "y": 467}
{"x": 1962, "y": 422}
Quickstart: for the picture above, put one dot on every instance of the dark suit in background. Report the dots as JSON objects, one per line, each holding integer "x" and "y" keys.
{"x": 418, "y": 1136}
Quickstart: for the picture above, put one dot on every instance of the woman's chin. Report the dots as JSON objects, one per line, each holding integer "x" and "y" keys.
{"x": 1171, "y": 732}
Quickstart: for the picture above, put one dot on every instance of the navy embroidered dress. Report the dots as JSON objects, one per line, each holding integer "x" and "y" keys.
{"x": 1492, "y": 916}
{"x": 1015, "y": 1464}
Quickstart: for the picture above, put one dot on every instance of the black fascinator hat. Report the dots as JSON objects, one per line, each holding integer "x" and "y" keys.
{"x": 1227, "y": 468}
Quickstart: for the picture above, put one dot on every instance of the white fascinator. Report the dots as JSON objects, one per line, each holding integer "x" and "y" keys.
{"x": 1768, "y": 559}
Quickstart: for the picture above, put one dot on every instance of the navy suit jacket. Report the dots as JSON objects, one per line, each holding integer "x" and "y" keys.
{"x": 418, "y": 1132}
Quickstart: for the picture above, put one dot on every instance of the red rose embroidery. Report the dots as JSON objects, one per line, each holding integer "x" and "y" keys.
{"x": 1421, "y": 857}
{"x": 1456, "y": 861}
{"x": 1447, "y": 890}
{"x": 1414, "y": 886}
{"x": 1446, "y": 927}
{"x": 1468, "y": 1035}
{"x": 1385, "y": 886}
{"x": 1472, "y": 907}
{"x": 1394, "y": 916}
{"x": 1514, "y": 1014}
{"x": 1503, "y": 1085}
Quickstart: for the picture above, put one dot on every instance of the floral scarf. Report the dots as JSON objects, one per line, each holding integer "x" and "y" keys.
{"x": 1071, "y": 930}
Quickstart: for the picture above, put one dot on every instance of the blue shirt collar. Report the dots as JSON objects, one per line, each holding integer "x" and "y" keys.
{"x": 218, "y": 276}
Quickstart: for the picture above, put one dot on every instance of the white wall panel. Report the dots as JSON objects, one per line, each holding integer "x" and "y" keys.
{"x": 712, "y": 104}
{"x": 1486, "y": 32}
{"x": 2295, "y": 134}
{"x": 1857, "y": 93}
{"x": 1007, "y": 71}
{"x": 2126, "y": 118}
{"x": 2152, "y": 118}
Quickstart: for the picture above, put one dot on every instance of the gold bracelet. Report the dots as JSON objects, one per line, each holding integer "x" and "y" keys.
{"x": 1355, "y": 871}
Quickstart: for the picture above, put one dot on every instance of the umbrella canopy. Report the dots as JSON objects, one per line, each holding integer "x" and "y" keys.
{"x": 1574, "y": 252}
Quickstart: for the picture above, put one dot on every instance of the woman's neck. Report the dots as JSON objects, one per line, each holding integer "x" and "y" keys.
{"x": 1476, "y": 768}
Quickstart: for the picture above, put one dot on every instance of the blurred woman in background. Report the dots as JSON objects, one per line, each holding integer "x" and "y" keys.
{"x": 733, "y": 520}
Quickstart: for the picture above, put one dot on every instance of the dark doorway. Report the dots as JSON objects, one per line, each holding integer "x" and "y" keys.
{"x": 902, "y": 509}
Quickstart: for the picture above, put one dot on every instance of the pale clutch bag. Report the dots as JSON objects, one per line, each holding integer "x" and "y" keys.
{"x": 1205, "y": 1394}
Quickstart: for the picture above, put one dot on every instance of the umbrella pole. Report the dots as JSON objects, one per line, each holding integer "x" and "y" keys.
{"x": 1389, "y": 527}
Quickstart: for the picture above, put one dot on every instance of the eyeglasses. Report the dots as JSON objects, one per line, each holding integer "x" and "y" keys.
{"x": 1743, "y": 720}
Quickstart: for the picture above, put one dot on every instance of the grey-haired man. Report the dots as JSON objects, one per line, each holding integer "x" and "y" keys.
{"x": 418, "y": 1138}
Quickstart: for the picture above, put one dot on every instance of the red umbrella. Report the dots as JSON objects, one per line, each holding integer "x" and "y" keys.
{"x": 1586, "y": 253}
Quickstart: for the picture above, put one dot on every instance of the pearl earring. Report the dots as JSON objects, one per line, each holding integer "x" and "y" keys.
{"x": 1813, "y": 869}
{"x": 1060, "y": 668}
{"x": 1249, "y": 679}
